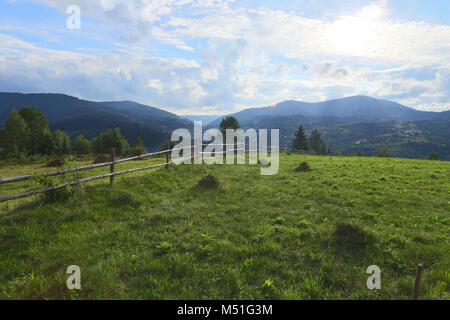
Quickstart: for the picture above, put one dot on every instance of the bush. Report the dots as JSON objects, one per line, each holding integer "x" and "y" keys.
{"x": 382, "y": 153}
{"x": 171, "y": 144}
{"x": 61, "y": 194}
{"x": 434, "y": 156}
{"x": 138, "y": 148}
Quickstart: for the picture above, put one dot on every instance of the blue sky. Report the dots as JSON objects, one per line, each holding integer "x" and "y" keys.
{"x": 220, "y": 56}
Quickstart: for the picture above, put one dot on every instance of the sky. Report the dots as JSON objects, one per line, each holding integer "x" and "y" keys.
{"x": 210, "y": 57}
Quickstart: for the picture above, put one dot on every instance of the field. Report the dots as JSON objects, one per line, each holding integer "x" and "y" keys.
{"x": 294, "y": 235}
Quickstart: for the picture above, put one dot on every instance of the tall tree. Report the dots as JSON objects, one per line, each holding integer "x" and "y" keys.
{"x": 229, "y": 123}
{"x": 61, "y": 142}
{"x": 82, "y": 145}
{"x": 17, "y": 134}
{"x": 138, "y": 148}
{"x": 323, "y": 148}
{"x": 109, "y": 139}
{"x": 315, "y": 141}
{"x": 40, "y": 134}
{"x": 300, "y": 141}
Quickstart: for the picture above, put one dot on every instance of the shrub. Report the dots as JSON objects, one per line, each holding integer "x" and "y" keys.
{"x": 164, "y": 147}
{"x": 434, "y": 156}
{"x": 61, "y": 194}
{"x": 382, "y": 153}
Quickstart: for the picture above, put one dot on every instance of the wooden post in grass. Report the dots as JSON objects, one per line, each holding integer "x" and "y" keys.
{"x": 111, "y": 168}
{"x": 417, "y": 285}
{"x": 167, "y": 155}
{"x": 80, "y": 186}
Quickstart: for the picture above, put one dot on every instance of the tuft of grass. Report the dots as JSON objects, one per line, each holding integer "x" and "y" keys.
{"x": 351, "y": 236}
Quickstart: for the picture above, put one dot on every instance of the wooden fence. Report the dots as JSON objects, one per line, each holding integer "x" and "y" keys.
{"x": 111, "y": 174}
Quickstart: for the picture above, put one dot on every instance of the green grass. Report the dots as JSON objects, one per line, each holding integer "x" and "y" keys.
{"x": 295, "y": 235}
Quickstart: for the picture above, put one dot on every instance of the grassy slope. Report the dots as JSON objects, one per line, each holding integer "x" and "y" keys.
{"x": 175, "y": 240}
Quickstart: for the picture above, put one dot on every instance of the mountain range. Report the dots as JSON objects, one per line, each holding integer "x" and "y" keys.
{"x": 347, "y": 125}
{"x": 77, "y": 116}
{"x": 350, "y": 109}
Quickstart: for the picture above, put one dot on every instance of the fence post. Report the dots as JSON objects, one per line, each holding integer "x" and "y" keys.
{"x": 111, "y": 169}
{"x": 417, "y": 285}
{"x": 80, "y": 187}
{"x": 167, "y": 155}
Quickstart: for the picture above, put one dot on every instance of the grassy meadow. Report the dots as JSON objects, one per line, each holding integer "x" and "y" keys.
{"x": 294, "y": 235}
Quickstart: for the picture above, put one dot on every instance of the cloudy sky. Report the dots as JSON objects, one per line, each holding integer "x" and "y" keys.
{"x": 221, "y": 56}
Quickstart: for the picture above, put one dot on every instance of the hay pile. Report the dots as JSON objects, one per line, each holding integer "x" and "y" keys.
{"x": 102, "y": 158}
{"x": 209, "y": 182}
{"x": 303, "y": 167}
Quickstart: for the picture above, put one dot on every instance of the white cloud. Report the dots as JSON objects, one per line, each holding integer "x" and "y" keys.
{"x": 253, "y": 56}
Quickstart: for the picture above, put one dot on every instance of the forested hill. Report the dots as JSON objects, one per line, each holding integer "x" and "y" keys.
{"x": 89, "y": 118}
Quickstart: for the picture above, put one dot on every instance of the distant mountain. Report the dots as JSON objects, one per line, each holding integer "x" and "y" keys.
{"x": 351, "y": 109}
{"x": 205, "y": 119}
{"x": 357, "y": 123}
{"x": 149, "y": 116}
{"x": 81, "y": 116}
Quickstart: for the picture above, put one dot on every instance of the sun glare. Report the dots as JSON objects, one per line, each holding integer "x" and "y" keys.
{"x": 356, "y": 35}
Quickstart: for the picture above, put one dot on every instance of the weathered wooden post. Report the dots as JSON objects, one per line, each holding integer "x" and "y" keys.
{"x": 167, "y": 155}
{"x": 417, "y": 285}
{"x": 80, "y": 187}
{"x": 111, "y": 168}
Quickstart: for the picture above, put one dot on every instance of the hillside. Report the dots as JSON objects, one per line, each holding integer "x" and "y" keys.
{"x": 406, "y": 139}
{"x": 357, "y": 123}
{"x": 295, "y": 235}
{"x": 350, "y": 109}
{"x": 81, "y": 116}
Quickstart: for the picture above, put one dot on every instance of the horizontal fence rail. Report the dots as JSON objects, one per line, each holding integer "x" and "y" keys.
{"x": 107, "y": 175}
{"x": 111, "y": 175}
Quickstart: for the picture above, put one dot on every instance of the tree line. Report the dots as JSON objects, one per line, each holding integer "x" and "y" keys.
{"x": 27, "y": 133}
{"x": 314, "y": 143}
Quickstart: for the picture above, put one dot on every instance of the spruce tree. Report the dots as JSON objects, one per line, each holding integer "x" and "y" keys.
{"x": 300, "y": 141}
